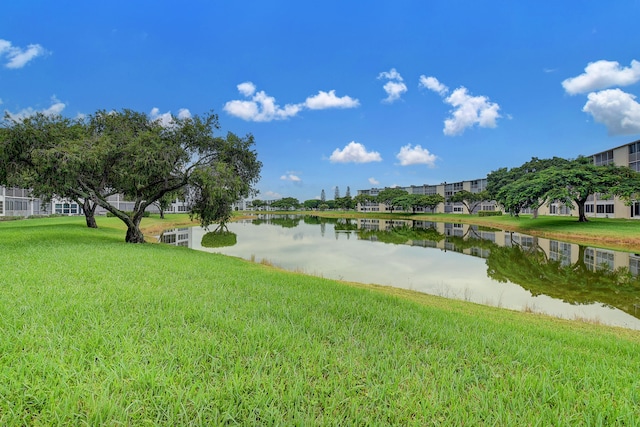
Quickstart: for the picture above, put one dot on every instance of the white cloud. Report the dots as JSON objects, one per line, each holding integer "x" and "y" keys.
{"x": 602, "y": 74}
{"x": 374, "y": 181}
{"x": 247, "y": 88}
{"x": 394, "y": 87}
{"x": 17, "y": 57}
{"x": 184, "y": 113}
{"x": 354, "y": 152}
{"x": 165, "y": 118}
{"x": 329, "y": 99}
{"x": 55, "y": 108}
{"x": 433, "y": 84}
{"x": 416, "y": 156}
{"x": 617, "y": 110}
{"x": 263, "y": 108}
{"x": 392, "y": 74}
{"x": 290, "y": 177}
{"x": 469, "y": 111}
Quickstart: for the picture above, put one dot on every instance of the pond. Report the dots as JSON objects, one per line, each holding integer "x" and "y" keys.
{"x": 467, "y": 262}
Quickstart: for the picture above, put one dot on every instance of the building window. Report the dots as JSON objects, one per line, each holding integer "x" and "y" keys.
{"x": 67, "y": 208}
{"x": 1, "y": 207}
{"x": 600, "y": 209}
{"x": 169, "y": 238}
{"x": 608, "y": 209}
{"x": 603, "y": 158}
{"x": 604, "y": 260}
{"x": 588, "y": 208}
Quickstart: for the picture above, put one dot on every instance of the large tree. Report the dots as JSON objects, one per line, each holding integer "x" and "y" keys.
{"x": 558, "y": 180}
{"x": 581, "y": 178}
{"x": 389, "y": 195}
{"x": 431, "y": 201}
{"x": 128, "y": 153}
{"x": 27, "y": 145}
{"x": 470, "y": 200}
{"x": 311, "y": 203}
{"x": 286, "y": 203}
{"x": 517, "y": 189}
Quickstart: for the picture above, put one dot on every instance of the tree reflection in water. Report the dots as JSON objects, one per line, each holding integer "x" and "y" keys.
{"x": 523, "y": 261}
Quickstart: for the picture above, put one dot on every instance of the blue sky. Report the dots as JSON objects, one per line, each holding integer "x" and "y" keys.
{"x": 344, "y": 93}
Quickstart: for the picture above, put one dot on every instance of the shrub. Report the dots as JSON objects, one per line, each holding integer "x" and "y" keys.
{"x": 219, "y": 239}
{"x": 489, "y": 213}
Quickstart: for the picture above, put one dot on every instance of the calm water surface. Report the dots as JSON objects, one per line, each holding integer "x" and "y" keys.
{"x": 491, "y": 267}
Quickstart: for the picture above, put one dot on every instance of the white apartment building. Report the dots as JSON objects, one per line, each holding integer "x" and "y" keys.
{"x": 596, "y": 206}
{"x": 446, "y": 190}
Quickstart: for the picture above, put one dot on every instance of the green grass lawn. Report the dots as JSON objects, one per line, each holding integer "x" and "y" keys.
{"x": 99, "y": 332}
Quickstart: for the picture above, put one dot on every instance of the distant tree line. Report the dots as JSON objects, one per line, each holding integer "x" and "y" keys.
{"x": 529, "y": 186}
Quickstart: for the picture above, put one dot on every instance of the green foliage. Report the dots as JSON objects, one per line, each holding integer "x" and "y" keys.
{"x": 127, "y": 152}
{"x": 311, "y": 204}
{"x": 431, "y": 201}
{"x": 285, "y": 221}
{"x": 346, "y": 203}
{"x": 572, "y": 282}
{"x": 470, "y": 200}
{"x": 489, "y": 213}
{"x": 286, "y": 203}
{"x": 389, "y": 195}
{"x": 518, "y": 188}
{"x": 219, "y": 239}
{"x": 565, "y": 181}
{"x": 402, "y": 235}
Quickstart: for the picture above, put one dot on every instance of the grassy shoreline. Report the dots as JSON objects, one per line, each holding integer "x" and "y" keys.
{"x": 96, "y": 331}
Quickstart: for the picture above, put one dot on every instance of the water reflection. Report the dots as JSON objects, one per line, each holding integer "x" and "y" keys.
{"x": 474, "y": 263}
{"x": 219, "y": 239}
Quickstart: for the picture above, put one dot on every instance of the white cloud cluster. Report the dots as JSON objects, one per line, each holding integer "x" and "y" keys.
{"x": 433, "y": 84}
{"x": 55, "y": 108}
{"x": 166, "y": 119}
{"x": 395, "y": 86}
{"x": 601, "y": 75}
{"x": 416, "y": 156}
{"x": 324, "y": 100}
{"x": 467, "y": 110}
{"x": 354, "y": 152}
{"x": 263, "y": 108}
{"x": 374, "y": 181}
{"x": 16, "y": 57}
{"x": 617, "y": 110}
{"x": 290, "y": 177}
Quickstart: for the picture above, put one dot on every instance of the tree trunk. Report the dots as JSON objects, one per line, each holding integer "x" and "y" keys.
{"x": 581, "y": 215}
{"x": 89, "y": 213}
{"x": 134, "y": 235}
